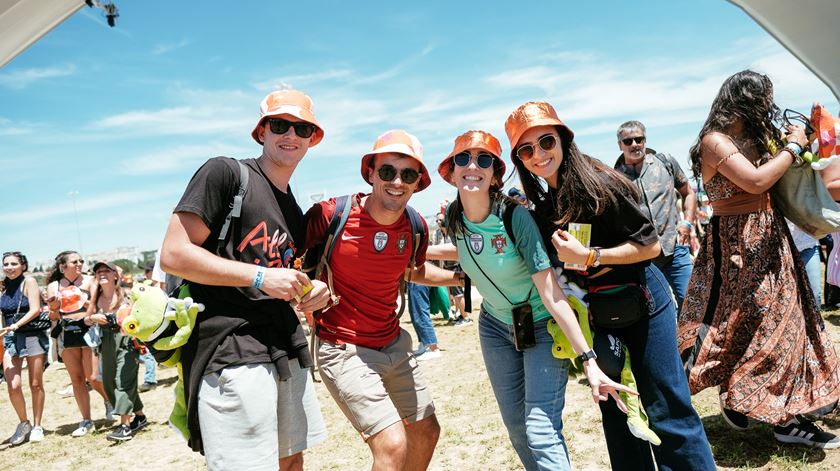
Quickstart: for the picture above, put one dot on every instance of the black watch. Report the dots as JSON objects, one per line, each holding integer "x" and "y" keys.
{"x": 585, "y": 356}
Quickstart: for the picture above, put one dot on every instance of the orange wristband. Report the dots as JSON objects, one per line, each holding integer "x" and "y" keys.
{"x": 591, "y": 258}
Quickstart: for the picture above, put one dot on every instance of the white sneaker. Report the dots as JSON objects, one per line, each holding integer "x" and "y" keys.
{"x": 37, "y": 434}
{"x": 429, "y": 355}
{"x": 109, "y": 412}
{"x": 66, "y": 392}
{"x": 85, "y": 427}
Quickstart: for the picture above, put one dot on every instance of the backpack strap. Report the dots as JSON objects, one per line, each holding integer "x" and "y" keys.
{"x": 173, "y": 282}
{"x": 507, "y": 219}
{"x": 418, "y": 230}
{"x": 236, "y": 204}
{"x": 667, "y": 162}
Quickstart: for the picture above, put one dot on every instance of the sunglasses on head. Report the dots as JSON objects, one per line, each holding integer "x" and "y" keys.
{"x": 281, "y": 126}
{"x": 630, "y": 140}
{"x": 526, "y": 151}
{"x": 389, "y": 173}
{"x": 483, "y": 159}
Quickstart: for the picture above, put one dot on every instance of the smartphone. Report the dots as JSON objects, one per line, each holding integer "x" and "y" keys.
{"x": 523, "y": 327}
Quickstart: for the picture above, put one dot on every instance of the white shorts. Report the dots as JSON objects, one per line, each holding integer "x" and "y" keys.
{"x": 249, "y": 419}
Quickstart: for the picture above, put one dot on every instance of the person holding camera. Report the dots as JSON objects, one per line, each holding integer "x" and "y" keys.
{"x": 629, "y": 299}
{"x": 520, "y": 294}
{"x": 26, "y": 337}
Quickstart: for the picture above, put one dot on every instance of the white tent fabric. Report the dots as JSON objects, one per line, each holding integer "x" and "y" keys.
{"x": 807, "y": 28}
{"x": 22, "y": 22}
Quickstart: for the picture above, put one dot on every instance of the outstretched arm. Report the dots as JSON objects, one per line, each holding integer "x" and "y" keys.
{"x": 431, "y": 275}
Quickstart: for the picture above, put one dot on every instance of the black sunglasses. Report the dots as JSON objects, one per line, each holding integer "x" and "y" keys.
{"x": 389, "y": 173}
{"x": 630, "y": 140}
{"x": 483, "y": 160}
{"x": 526, "y": 151}
{"x": 281, "y": 126}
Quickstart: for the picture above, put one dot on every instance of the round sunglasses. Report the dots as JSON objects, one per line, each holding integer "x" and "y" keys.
{"x": 389, "y": 173}
{"x": 281, "y": 126}
{"x": 546, "y": 142}
{"x": 483, "y": 159}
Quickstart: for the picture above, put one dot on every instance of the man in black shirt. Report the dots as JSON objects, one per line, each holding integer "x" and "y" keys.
{"x": 250, "y": 398}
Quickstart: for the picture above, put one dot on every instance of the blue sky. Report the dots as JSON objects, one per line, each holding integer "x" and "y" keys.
{"x": 124, "y": 116}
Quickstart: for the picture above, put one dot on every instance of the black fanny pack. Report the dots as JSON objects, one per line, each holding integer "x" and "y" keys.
{"x": 617, "y": 306}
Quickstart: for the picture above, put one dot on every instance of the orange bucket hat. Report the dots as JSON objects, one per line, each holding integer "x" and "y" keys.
{"x": 400, "y": 142}
{"x": 474, "y": 140}
{"x": 531, "y": 115}
{"x": 292, "y": 103}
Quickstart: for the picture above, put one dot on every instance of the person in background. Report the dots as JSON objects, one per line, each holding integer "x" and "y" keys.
{"x": 119, "y": 355}
{"x": 808, "y": 249}
{"x": 456, "y": 293}
{"x": 662, "y": 185}
{"x": 155, "y": 274}
{"x": 749, "y": 325}
{"x": 20, "y": 304}
{"x": 68, "y": 295}
{"x": 421, "y": 319}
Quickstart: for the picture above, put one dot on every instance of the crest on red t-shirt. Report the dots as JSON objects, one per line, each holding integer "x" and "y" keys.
{"x": 476, "y": 243}
{"x": 380, "y": 239}
{"x": 402, "y": 242}
{"x": 499, "y": 241}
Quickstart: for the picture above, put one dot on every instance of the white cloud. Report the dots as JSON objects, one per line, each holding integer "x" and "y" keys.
{"x": 179, "y": 157}
{"x": 19, "y": 79}
{"x": 166, "y": 48}
{"x": 199, "y": 119}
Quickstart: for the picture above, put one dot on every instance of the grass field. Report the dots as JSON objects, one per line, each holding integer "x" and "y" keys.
{"x": 472, "y": 436}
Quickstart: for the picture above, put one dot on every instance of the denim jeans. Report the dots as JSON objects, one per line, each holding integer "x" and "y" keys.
{"x": 151, "y": 367}
{"x": 813, "y": 268}
{"x": 418, "y": 308}
{"x": 530, "y": 388}
{"x": 663, "y": 390}
{"x": 677, "y": 270}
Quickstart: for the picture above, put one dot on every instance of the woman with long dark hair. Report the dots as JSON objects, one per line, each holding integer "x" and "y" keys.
{"x": 119, "y": 355}
{"x": 20, "y": 304}
{"x": 68, "y": 295}
{"x": 749, "y": 324}
{"x": 520, "y": 294}
{"x": 636, "y": 310}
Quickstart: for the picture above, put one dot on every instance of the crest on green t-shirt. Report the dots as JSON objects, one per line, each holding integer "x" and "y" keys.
{"x": 476, "y": 243}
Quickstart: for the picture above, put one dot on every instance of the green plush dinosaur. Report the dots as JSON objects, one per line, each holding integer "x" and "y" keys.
{"x": 637, "y": 420}
{"x": 165, "y": 324}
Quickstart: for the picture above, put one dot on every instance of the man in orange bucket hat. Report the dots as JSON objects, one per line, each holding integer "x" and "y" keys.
{"x": 364, "y": 356}
{"x": 251, "y": 402}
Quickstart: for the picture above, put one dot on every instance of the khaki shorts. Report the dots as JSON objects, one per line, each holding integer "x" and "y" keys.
{"x": 375, "y": 388}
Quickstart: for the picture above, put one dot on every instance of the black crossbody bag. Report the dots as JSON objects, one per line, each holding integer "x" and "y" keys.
{"x": 523, "y": 316}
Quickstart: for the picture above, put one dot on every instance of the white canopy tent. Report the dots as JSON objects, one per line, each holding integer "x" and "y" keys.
{"x": 807, "y": 28}
{"x": 23, "y": 22}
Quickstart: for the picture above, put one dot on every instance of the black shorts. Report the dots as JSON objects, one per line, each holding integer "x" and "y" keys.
{"x": 73, "y": 334}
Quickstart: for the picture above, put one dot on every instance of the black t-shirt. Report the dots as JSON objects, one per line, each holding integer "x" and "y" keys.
{"x": 620, "y": 223}
{"x": 267, "y": 233}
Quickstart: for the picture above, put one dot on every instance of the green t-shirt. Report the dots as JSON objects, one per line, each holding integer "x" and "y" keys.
{"x": 487, "y": 244}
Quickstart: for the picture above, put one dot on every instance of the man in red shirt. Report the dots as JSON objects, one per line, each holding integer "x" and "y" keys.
{"x": 365, "y": 357}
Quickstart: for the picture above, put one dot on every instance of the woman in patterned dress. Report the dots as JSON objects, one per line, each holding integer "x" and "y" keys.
{"x": 749, "y": 324}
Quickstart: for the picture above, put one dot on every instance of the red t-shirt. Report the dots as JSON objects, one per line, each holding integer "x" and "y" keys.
{"x": 367, "y": 262}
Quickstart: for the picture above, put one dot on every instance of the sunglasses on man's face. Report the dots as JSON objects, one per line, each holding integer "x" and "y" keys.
{"x": 630, "y": 140}
{"x": 483, "y": 160}
{"x": 546, "y": 142}
{"x": 281, "y": 126}
{"x": 389, "y": 173}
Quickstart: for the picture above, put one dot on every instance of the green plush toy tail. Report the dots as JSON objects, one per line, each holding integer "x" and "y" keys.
{"x": 637, "y": 420}
{"x": 178, "y": 417}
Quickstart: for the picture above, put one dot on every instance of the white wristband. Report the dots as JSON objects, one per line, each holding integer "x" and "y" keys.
{"x": 259, "y": 277}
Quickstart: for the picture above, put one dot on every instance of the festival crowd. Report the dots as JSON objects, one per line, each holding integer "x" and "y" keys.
{"x": 653, "y": 290}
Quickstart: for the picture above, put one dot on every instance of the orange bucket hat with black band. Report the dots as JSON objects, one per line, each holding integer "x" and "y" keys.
{"x": 474, "y": 140}
{"x": 531, "y": 115}
{"x": 289, "y": 102}
{"x": 399, "y": 142}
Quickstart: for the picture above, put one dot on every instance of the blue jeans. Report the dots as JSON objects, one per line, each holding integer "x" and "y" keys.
{"x": 530, "y": 388}
{"x": 151, "y": 366}
{"x": 677, "y": 270}
{"x": 421, "y": 319}
{"x": 813, "y": 268}
{"x": 663, "y": 390}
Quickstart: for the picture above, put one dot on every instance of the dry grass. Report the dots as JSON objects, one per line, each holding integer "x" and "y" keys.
{"x": 472, "y": 437}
